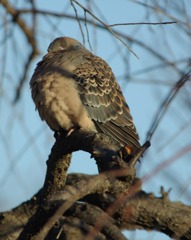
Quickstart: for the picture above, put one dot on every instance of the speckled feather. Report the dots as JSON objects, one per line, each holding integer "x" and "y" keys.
{"x": 104, "y": 100}
{"x": 69, "y": 63}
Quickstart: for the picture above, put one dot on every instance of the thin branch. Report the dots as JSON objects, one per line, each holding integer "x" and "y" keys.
{"x": 27, "y": 32}
{"x": 175, "y": 157}
{"x": 162, "y": 11}
{"x": 26, "y": 68}
{"x": 87, "y": 31}
{"x": 78, "y": 19}
{"x": 166, "y": 103}
{"x": 140, "y": 23}
{"x": 101, "y": 26}
{"x": 107, "y": 27}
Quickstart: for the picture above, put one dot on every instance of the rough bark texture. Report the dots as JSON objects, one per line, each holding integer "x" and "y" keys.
{"x": 79, "y": 206}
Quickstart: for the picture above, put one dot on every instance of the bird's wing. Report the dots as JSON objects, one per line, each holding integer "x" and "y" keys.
{"x": 104, "y": 101}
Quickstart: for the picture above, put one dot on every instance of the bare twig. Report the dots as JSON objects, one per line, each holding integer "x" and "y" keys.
{"x": 175, "y": 157}
{"x": 27, "y": 32}
{"x": 140, "y": 23}
{"x": 78, "y": 19}
{"x": 162, "y": 10}
{"x": 166, "y": 103}
{"x": 107, "y": 27}
{"x": 30, "y": 35}
{"x": 87, "y": 32}
{"x": 18, "y": 91}
{"x": 101, "y": 26}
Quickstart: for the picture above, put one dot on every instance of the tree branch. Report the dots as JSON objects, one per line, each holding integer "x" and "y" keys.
{"x": 142, "y": 211}
{"x": 107, "y": 155}
{"x": 114, "y": 196}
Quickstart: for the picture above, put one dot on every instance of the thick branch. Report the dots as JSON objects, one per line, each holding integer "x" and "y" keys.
{"x": 144, "y": 211}
{"x": 120, "y": 199}
{"x": 104, "y": 151}
{"x": 13, "y": 222}
{"x": 91, "y": 214}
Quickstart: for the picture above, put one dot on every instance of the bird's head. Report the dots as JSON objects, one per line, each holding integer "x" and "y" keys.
{"x": 64, "y": 43}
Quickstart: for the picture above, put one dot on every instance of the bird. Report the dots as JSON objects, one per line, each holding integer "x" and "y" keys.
{"x": 74, "y": 89}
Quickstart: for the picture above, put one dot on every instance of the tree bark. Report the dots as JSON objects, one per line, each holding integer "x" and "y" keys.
{"x": 79, "y": 206}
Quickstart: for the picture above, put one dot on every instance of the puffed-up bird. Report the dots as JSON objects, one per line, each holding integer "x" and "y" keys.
{"x": 72, "y": 88}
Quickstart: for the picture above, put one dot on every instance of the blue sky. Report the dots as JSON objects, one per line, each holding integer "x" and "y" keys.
{"x": 26, "y": 141}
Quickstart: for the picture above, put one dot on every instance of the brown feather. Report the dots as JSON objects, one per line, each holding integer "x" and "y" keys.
{"x": 72, "y": 88}
{"x": 105, "y": 102}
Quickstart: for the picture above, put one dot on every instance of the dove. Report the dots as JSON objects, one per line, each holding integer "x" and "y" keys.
{"x": 72, "y": 88}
